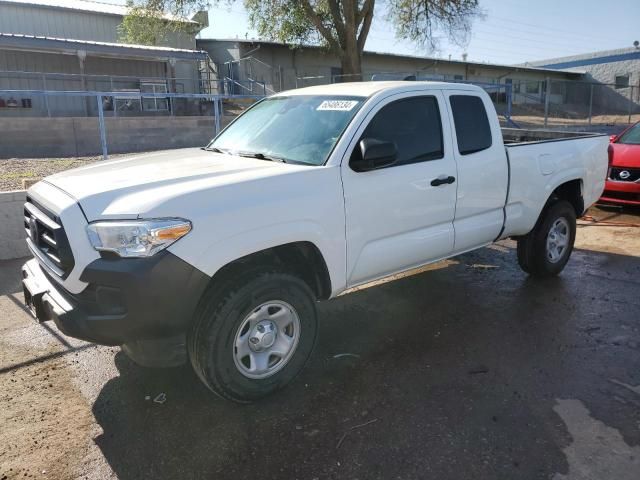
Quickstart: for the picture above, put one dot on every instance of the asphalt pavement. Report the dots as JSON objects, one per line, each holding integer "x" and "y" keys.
{"x": 469, "y": 369}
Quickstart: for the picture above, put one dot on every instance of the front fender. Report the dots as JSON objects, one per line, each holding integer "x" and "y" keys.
{"x": 215, "y": 255}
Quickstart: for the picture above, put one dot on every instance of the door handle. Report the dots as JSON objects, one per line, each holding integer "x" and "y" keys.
{"x": 442, "y": 180}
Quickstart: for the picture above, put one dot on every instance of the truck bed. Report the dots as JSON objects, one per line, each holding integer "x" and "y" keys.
{"x": 539, "y": 160}
{"x": 520, "y": 136}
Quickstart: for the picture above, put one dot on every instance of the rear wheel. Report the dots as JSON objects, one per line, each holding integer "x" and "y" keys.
{"x": 545, "y": 250}
{"x": 254, "y": 336}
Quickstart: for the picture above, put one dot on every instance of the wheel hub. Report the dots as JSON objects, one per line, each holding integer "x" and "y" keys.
{"x": 558, "y": 240}
{"x": 263, "y": 336}
{"x": 266, "y": 339}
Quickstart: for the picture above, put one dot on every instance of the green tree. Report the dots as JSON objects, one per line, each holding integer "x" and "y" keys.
{"x": 150, "y": 22}
{"x": 343, "y": 25}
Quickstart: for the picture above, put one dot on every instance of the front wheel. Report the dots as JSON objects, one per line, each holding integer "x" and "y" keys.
{"x": 545, "y": 250}
{"x": 253, "y": 337}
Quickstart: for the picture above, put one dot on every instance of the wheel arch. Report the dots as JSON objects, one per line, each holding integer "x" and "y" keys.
{"x": 572, "y": 192}
{"x": 301, "y": 258}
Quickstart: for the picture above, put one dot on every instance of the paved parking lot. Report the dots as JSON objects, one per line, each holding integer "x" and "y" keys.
{"x": 467, "y": 370}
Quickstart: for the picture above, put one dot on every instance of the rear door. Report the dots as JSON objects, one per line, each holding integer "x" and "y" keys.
{"x": 395, "y": 217}
{"x": 482, "y": 168}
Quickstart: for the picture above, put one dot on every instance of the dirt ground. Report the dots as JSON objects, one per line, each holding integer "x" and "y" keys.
{"x": 14, "y": 170}
{"x": 465, "y": 369}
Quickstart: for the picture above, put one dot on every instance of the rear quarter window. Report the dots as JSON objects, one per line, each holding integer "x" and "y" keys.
{"x": 471, "y": 122}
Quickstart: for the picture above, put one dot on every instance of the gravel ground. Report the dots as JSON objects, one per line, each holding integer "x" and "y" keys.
{"x": 14, "y": 170}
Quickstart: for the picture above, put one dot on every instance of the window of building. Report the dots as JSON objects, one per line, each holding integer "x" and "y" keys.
{"x": 509, "y": 83}
{"x": 532, "y": 88}
{"x": 472, "y": 124}
{"x": 125, "y": 100}
{"x": 413, "y": 124}
{"x": 516, "y": 86}
{"x": 154, "y": 104}
{"x": 558, "y": 88}
{"x": 622, "y": 81}
{"x": 458, "y": 78}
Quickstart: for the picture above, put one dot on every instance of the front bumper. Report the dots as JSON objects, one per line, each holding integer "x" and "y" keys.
{"x": 624, "y": 193}
{"x": 126, "y": 300}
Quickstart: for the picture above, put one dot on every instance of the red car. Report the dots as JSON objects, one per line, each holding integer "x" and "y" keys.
{"x": 623, "y": 179}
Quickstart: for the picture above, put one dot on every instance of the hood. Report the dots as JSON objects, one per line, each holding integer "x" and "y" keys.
{"x": 131, "y": 187}
{"x": 626, "y": 155}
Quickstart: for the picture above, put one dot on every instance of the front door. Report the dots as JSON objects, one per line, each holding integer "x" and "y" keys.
{"x": 401, "y": 216}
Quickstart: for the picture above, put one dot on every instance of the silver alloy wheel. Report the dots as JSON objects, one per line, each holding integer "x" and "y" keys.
{"x": 558, "y": 239}
{"x": 266, "y": 339}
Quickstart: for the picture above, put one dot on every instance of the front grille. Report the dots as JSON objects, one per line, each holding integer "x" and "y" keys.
{"x": 47, "y": 239}
{"x": 621, "y": 174}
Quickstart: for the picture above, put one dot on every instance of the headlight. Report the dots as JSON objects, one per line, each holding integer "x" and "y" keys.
{"x": 137, "y": 238}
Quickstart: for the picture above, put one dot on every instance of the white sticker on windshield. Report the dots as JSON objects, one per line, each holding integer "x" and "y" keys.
{"x": 339, "y": 105}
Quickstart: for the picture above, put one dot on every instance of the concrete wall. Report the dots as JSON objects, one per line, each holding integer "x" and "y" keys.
{"x": 12, "y": 234}
{"x": 62, "y": 137}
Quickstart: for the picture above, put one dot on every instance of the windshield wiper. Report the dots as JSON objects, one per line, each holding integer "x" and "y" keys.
{"x": 258, "y": 155}
{"x": 261, "y": 156}
{"x": 214, "y": 149}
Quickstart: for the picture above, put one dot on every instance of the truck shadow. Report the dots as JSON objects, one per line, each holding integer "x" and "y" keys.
{"x": 449, "y": 374}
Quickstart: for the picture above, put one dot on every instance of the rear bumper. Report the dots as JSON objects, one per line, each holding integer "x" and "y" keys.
{"x": 624, "y": 193}
{"x": 126, "y": 301}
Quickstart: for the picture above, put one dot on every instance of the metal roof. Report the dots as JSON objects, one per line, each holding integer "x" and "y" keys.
{"x": 60, "y": 44}
{"x": 519, "y": 67}
{"x": 591, "y": 58}
{"x": 85, "y": 6}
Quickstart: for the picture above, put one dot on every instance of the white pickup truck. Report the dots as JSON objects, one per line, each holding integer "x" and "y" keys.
{"x": 218, "y": 255}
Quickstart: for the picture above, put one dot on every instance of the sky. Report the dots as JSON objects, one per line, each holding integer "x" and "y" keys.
{"x": 512, "y": 31}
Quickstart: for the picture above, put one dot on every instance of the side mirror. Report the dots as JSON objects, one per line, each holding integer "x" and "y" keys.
{"x": 375, "y": 154}
{"x": 613, "y": 138}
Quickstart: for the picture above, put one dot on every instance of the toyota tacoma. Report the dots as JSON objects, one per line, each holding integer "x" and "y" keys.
{"x": 218, "y": 256}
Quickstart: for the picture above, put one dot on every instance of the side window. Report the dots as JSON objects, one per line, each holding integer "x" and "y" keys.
{"x": 471, "y": 122}
{"x": 413, "y": 124}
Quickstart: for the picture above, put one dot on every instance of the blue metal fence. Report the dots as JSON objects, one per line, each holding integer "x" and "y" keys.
{"x": 99, "y": 99}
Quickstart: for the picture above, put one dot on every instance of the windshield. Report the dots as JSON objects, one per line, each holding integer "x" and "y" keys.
{"x": 296, "y": 129}
{"x": 631, "y": 136}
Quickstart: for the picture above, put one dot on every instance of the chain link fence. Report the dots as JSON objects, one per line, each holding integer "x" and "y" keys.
{"x": 575, "y": 105}
{"x": 38, "y": 123}
{"x": 551, "y": 104}
{"x": 124, "y": 94}
{"x": 132, "y": 114}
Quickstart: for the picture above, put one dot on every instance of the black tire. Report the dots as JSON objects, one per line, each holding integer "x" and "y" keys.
{"x": 222, "y": 310}
{"x": 533, "y": 256}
